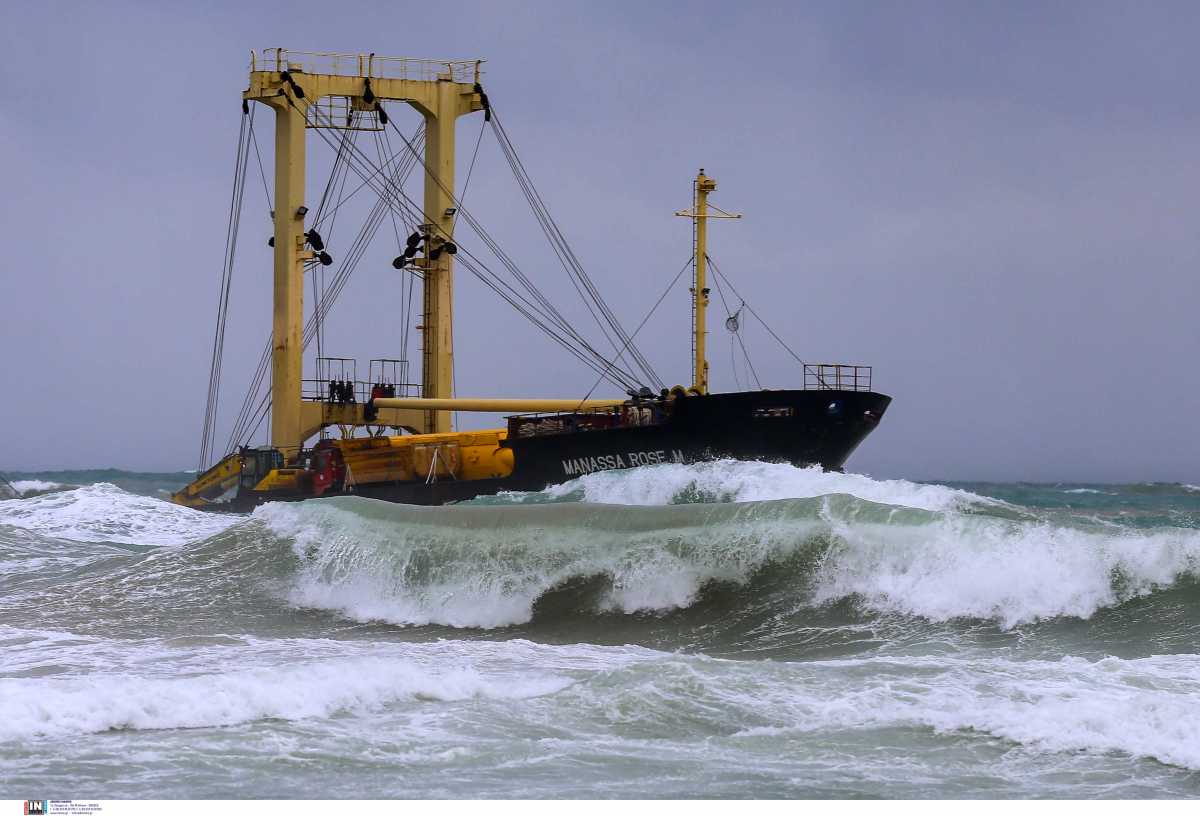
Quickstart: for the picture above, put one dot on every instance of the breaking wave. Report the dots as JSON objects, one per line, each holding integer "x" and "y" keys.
{"x": 106, "y": 702}
{"x": 735, "y": 481}
{"x": 104, "y": 513}
{"x": 779, "y": 537}
{"x": 1139, "y": 707}
{"x": 31, "y": 487}
{"x": 490, "y": 566}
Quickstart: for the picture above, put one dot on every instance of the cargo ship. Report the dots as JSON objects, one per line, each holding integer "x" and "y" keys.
{"x": 384, "y": 438}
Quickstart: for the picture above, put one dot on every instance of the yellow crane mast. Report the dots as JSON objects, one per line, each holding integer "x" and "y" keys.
{"x": 700, "y": 214}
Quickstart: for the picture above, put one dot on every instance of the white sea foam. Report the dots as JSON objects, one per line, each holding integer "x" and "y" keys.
{"x": 28, "y": 486}
{"x": 1142, "y": 707}
{"x": 102, "y": 702}
{"x": 105, "y": 513}
{"x": 939, "y": 566}
{"x": 487, "y": 567}
{"x": 1012, "y": 571}
{"x": 612, "y": 695}
{"x": 736, "y": 481}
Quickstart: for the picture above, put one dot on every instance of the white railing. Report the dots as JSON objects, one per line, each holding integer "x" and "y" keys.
{"x": 366, "y": 65}
{"x": 836, "y": 377}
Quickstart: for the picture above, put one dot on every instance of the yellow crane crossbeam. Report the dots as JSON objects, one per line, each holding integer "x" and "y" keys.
{"x": 496, "y": 405}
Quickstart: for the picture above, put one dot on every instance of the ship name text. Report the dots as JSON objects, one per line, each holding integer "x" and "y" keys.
{"x": 617, "y": 461}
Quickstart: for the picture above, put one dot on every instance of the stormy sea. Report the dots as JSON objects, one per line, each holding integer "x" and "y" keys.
{"x": 729, "y": 629}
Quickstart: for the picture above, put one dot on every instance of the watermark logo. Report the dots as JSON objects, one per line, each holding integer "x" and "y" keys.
{"x": 36, "y": 807}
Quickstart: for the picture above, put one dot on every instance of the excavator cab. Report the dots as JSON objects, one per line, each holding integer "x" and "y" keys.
{"x": 257, "y": 463}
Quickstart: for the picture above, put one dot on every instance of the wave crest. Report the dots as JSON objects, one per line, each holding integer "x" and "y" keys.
{"x": 100, "y": 702}
{"x": 489, "y": 566}
{"x": 104, "y": 513}
{"x": 728, "y": 480}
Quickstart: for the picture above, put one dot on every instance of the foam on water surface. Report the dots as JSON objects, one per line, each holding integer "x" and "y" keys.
{"x": 736, "y": 481}
{"x": 487, "y": 567}
{"x": 923, "y": 639}
{"x": 105, "y": 513}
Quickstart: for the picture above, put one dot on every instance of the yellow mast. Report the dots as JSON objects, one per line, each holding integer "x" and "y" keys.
{"x": 288, "y": 324}
{"x": 437, "y": 350}
{"x": 700, "y": 215}
{"x": 293, "y": 82}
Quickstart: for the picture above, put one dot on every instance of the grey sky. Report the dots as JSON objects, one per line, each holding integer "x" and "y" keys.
{"x": 995, "y": 205}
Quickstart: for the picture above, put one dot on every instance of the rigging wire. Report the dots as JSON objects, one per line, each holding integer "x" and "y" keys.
{"x": 383, "y": 147}
{"x": 471, "y": 168}
{"x": 243, "y": 428}
{"x": 546, "y": 308}
{"x": 249, "y": 412}
{"x": 579, "y": 277}
{"x": 231, "y": 233}
{"x": 463, "y": 197}
{"x": 418, "y": 139}
{"x": 735, "y": 332}
{"x": 261, "y": 171}
{"x": 548, "y": 318}
{"x": 750, "y": 309}
{"x": 336, "y": 172}
{"x": 353, "y": 256}
{"x": 320, "y": 330}
{"x": 653, "y": 308}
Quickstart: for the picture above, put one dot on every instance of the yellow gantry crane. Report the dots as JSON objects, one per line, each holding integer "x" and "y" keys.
{"x": 293, "y": 83}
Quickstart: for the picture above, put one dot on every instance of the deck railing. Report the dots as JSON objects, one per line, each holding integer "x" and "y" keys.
{"x": 318, "y": 390}
{"x": 836, "y": 377}
{"x": 366, "y": 65}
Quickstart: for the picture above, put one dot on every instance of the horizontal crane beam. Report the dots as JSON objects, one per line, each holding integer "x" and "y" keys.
{"x": 495, "y": 405}
{"x": 266, "y": 86}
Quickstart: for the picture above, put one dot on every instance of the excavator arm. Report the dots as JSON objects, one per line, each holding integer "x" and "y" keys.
{"x": 212, "y": 483}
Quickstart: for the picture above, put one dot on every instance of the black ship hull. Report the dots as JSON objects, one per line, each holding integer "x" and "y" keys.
{"x": 801, "y": 427}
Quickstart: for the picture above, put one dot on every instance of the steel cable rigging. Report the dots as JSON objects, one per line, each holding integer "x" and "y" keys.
{"x": 734, "y": 330}
{"x": 533, "y": 306}
{"x": 566, "y": 257}
{"x": 231, "y": 233}
{"x": 750, "y": 309}
{"x": 251, "y": 415}
{"x": 525, "y": 297}
{"x": 532, "y": 301}
{"x": 579, "y": 277}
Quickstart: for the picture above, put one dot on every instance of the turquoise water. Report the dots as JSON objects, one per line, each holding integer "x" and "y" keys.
{"x": 720, "y": 630}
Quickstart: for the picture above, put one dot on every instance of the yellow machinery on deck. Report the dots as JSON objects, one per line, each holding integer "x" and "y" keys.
{"x": 212, "y": 484}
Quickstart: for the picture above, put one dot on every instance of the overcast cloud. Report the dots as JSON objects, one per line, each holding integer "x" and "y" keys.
{"x": 993, "y": 204}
